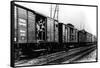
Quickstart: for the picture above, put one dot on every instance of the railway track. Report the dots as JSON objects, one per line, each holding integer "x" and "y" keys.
{"x": 78, "y": 55}
{"x": 72, "y": 55}
{"x": 58, "y": 57}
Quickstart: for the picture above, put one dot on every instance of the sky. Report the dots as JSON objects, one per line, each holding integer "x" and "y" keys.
{"x": 82, "y": 17}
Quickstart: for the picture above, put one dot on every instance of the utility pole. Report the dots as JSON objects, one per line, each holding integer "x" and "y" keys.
{"x": 56, "y": 12}
{"x": 55, "y": 15}
{"x": 51, "y": 11}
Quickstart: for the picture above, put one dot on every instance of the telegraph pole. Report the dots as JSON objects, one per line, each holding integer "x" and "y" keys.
{"x": 57, "y": 12}
{"x": 51, "y": 11}
{"x": 55, "y": 15}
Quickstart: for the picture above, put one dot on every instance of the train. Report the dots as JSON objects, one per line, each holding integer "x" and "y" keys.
{"x": 36, "y": 34}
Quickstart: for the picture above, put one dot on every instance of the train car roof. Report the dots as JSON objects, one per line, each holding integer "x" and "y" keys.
{"x": 83, "y": 31}
{"x": 69, "y": 24}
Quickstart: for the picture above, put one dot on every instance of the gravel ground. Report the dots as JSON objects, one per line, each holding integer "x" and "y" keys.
{"x": 90, "y": 57}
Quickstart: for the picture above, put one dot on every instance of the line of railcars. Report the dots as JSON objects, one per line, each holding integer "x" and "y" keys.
{"x": 36, "y": 34}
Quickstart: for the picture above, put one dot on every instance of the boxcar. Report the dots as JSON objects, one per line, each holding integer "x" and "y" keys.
{"x": 52, "y": 42}
{"x": 89, "y": 37}
{"x": 29, "y": 29}
{"x": 82, "y": 36}
{"x": 72, "y": 33}
{"x": 52, "y": 30}
{"x": 67, "y": 35}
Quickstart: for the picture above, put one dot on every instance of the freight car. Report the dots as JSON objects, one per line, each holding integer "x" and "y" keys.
{"x": 94, "y": 39}
{"x": 82, "y": 37}
{"x": 85, "y": 38}
{"x": 68, "y": 35}
{"x": 91, "y": 39}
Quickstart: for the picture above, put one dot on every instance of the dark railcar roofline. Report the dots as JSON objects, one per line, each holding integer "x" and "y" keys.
{"x": 86, "y": 32}
{"x": 68, "y": 26}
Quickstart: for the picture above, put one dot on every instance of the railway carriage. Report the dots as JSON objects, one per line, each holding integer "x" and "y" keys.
{"x": 93, "y": 38}
{"x": 82, "y": 36}
{"x": 85, "y": 38}
{"x": 68, "y": 35}
{"x": 72, "y": 36}
{"x": 72, "y": 33}
{"x": 89, "y": 37}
